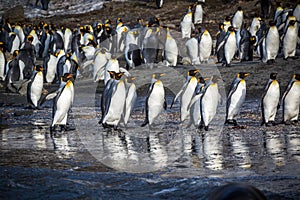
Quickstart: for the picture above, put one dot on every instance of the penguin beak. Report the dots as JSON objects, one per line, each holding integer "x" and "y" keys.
{"x": 247, "y": 74}
{"x": 133, "y": 78}
{"x": 162, "y": 74}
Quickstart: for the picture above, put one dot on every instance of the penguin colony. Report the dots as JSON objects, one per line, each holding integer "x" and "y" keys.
{"x": 94, "y": 47}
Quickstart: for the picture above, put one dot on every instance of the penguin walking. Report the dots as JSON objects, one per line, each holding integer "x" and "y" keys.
{"x": 35, "y": 87}
{"x": 229, "y": 46}
{"x": 131, "y": 97}
{"x": 63, "y": 101}
{"x": 159, "y": 3}
{"x": 171, "y": 50}
{"x": 209, "y": 102}
{"x": 205, "y": 46}
{"x": 155, "y": 100}
{"x": 187, "y": 25}
{"x": 290, "y": 40}
{"x": 291, "y": 100}
{"x": 271, "y": 44}
{"x": 114, "y": 102}
{"x": 186, "y": 93}
{"x": 270, "y": 100}
{"x": 236, "y": 98}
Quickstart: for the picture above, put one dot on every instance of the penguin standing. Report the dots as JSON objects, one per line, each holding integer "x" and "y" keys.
{"x": 155, "y": 100}
{"x": 219, "y": 51}
{"x": 192, "y": 51}
{"x": 187, "y": 25}
{"x": 290, "y": 40}
{"x": 186, "y": 93}
{"x": 194, "y": 107}
{"x": 159, "y": 3}
{"x": 20, "y": 33}
{"x": 131, "y": 97}
{"x": 255, "y": 25}
{"x": 270, "y": 100}
{"x": 271, "y": 44}
{"x": 236, "y": 98}
{"x": 291, "y": 100}
{"x": 238, "y": 18}
{"x": 2, "y": 62}
{"x": 205, "y": 46}
{"x": 67, "y": 39}
{"x": 115, "y": 102}
{"x": 198, "y": 14}
{"x": 170, "y": 50}
{"x": 35, "y": 87}
{"x": 209, "y": 102}
{"x": 101, "y": 58}
{"x": 62, "y": 103}
{"x": 246, "y": 45}
{"x": 14, "y": 42}
{"x": 229, "y": 46}
{"x": 150, "y": 46}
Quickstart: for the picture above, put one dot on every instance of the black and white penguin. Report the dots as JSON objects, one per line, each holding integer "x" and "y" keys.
{"x": 291, "y": 100}
{"x": 3, "y": 61}
{"x": 150, "y": 46}
{"x": 159, "y": 3}
{"x": 14, "y": 70}
{"x": 270, "y": 100}
{"x": 290, "y": 40}
{"x": 20, "y": 33}
{"x": 219, "y": 51}
{"x": 187, "y": 25}
{"x": 209, "y": 102}
{"x": 186, "y": 93}
{"x": 229, "y": 46}
{"x": 194, "y": 107}
{"x": 198, "y": 13}
{"x": 63, "y": 101}
{"x": 115, "y": 99}
{"x": 192, "y": 50}
{"x": 131, "y": 97}
{"x": 238, "y": 18}
{"x": 271, "y": 44}
{"x": 100, "y": 60}
{"x": 14, "y": 42}
{"x": 255, "y": 25}
{"x": 67, "y": 39}
{"x": 170, "y": 50}
{"x": 35, "y": 87}
{"x": 205, "y": 46}
{"x": 246, "y": 45}
{"x": 27, "y": 55}
{"x": 155, "y": 100}
{"x": 236, "y": 98}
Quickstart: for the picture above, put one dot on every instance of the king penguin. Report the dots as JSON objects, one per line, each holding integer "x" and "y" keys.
{"x": 186, "y": 93}
{"x": 209, "y": 102}
{"x": 205, "y": 46}
{"x": 155, "y": 100}
{"x": 270, "y": 100}
{"x": 187, "y": 25}
{"x": 198, "y": 14}
{"x": 236, "y": 98}
{"x": 171, "y": 50}
{"x": 63, "y": 101}
{"x": 229, "y": 46}
{"x": 271, "y": 44}
{"x": 192, "y": 50}
{"x": 35, "y": 87}
{"x": 290, "y": 40}
{"x": 101, "y": 58}
{"x": 2, "y": 62}
{"x": 291, "y": 100}
{"x": 238, "y": 18}
{"x": 115, "y": 102}
{"x": 131, "y": 97}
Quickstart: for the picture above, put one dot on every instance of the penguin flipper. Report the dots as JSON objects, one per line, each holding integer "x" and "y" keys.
{"x": 165, "y": 104}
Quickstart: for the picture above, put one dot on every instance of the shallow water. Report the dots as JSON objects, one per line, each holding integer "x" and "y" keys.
{"x": 167, "y": 160}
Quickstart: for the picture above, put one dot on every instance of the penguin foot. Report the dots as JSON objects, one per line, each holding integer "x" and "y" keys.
{"x": 144, "y": 124}
{"x": 66, "y": 128}
{"x": 206, "y": 128}
{"x": 231, "y": 122}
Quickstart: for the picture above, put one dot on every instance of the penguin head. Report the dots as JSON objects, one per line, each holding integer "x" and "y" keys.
{"x": 292, "y": 23}
{"x": 15, "y": 53}
{"x": 2, "y": 45}
{"x": 200, "y": 79}
{"x": 272, "y": 23}
{"x": 38, "y": 68}
{"x": 193, "y": 72}
{"x": 231, "y": 29}
{"x": 30, "y": 38}
{"x": 118, "y": 75}
{"x": 273, "y": 76}
{"x": 252, "y": 39}
{"x": 221, "y": 26}
{"x": 239, "y": 8}
{"x": 112, "y": 74}
{"x": 297, "y": 77}
{"x": 242, "y": 75}
{"x": 66, "y": 77}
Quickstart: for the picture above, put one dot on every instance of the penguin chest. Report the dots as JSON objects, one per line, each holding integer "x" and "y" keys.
{"x": 290, "y": 40}
{"x": 36, "y": 88}
{"x": 117, "y": 103}
{"x": 205, "y": 47}
{"x": 51, "y": 69}
{"x": 292, "y": 100}
{"x": 209, "y": 103}
{"x": 2, "y": 65}
{"x": 236, "y": 99}
{"x": 272, "y": 43}
{"x": 186, "y": 98}
{"x": 155, "y": 101}
{"x": 237, "y": 20}
{"x": 192, "y": 50}
{"x": 230, "y": 47}
{"x": 271, "y": 99}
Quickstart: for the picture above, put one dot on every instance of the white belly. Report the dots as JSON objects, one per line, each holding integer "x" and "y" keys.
{"x": 186, "y": 98}
{"x": 2, "y": 66}
{"x": 209, "y": 104}
{"x": 236, "y": 100}
{"x": 291, "y": 103}
{"x": 230, "y": 48}
{"x": 36, "y": 88}
{"x": 51, "y": 69}
{"x": 270, "y": 102}
{"x": 155, "y": 102}
{"x": 205, "y": 47}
